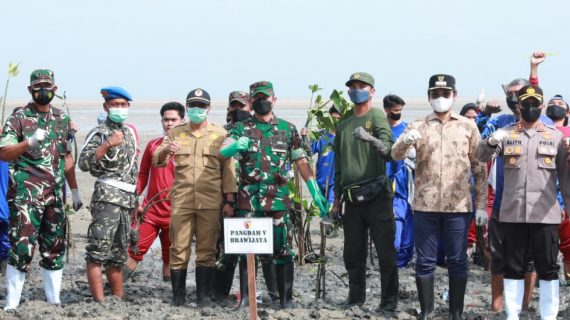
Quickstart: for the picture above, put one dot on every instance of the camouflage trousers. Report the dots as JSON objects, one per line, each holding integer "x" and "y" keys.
{"x": 32, "y": 223}
{"x": 282, "y": 237}
{"x": 108, "y": 234}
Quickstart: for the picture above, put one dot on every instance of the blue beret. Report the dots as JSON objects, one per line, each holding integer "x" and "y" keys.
{"x": 115, "y": 93}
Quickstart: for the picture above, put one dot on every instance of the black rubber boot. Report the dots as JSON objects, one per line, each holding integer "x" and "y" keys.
{"x": 223, "y": 279}
{"x": 425, "y": 295}
{"x": 178, "y": 280}
{"x": 456, "y": 296}
{"x": 204, "y": 276}
{"x": 356, "y": 288}
{"x": 285, "y": 275}
{"x": 270, "y": 276}
{"x": 243, "y": 292}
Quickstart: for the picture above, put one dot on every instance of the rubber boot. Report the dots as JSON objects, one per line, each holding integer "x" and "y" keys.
{"x": 549, "y": 299}
{"x": 356, "y": 288}
{"x": 496, "y": 292}
{"x": 223, "y": 279}
{"x": 457, "y": 287}
{"x": 514, "y": 291}
{"x": 270, "y": 276}
{"x": 204, "y": 276}
{"x": 285, "y": 275}
{"x": 178, "y": 281}
{"x": 14, "y": 284}
{"x": 243, "y": 291}
{"x": 52, "y": 285}
{"x": 425, "y": 295}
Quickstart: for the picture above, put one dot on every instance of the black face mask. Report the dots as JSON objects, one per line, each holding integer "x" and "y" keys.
{"x": 239, "y": 115}
{"x": 530, "y": 114}
{"x": 261, "y": 106}
{"x": 42, "y": 96}
{"x": 555, "y": 112}
{"x": 395, "y": 116}
{"x": 512, "y": 102}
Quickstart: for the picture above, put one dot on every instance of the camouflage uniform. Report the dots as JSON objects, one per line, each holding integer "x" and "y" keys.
{"x": 114, "y": 195}
{"x": 262, "y": 187}
{"x": 35, "y": 192}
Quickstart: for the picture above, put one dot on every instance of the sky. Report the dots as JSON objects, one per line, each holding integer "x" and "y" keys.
{"x": 164, "y": 49}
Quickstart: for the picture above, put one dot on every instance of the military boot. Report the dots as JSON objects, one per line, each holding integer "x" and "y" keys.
{"x": 223, "y": 279}
{"x": 178, "y": 281}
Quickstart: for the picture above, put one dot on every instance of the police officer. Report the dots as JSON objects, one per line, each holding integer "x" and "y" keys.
{"x": 266, "y": 144}
{"x": 534, "y": 159}
{"x": 36, "y": 140}
{"x": 110, "y": 154}
{"x": 203, "y": 181}
{"x": 362, "y": 147}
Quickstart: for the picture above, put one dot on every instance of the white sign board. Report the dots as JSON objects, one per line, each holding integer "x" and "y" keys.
{"x": 248, "y": 235}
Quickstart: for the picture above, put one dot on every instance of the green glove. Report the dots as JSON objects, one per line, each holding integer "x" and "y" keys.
{"x": 240, "y": 145}
{"x": 318, "y": 198}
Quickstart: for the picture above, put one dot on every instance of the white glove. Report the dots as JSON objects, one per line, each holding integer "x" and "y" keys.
{"x": 411, "y": 136}
{"x": 38, "y": 137}
{"x": 481, "y": 218}
{"x": 497, "y": 137}
{"x": 77, "y": 203}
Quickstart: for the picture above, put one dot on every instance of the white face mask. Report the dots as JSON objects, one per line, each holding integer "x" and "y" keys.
{"x": 441, "y": 104}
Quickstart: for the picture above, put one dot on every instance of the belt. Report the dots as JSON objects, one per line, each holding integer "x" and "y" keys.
{"x": 119, "y": 184}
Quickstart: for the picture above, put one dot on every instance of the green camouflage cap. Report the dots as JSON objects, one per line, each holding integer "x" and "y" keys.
{"x": 264, "y": 87}
{"x": 239, "y": 96}
{"x": 42, "y": 76}
{"x": 362, "y": 77}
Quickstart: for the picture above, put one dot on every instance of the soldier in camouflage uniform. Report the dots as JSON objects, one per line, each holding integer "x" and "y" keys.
{"x": 265, "y": 144}
{"x": 110, "y": 154}
{"x": 35, "y": 140}
{"x": 239, "y": 109}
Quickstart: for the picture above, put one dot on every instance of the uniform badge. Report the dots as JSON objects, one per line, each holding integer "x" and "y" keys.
{"x": 514, "y": 135}
{"x": 198, "y": 93}
{"x": 368, "y": 125}
{"x": 530, "y": 90}
{"x": 547, "y": 160}
{"x": 547, "y": 135}
{"x": 552, "y": 150}
{"x": 182, "y": 135}
{"x": 512, "y": 160}
{"x": 542, "y": 150}
{"x": 518, "y": 150}
{"x": 509, "y": 150}
{"x": 356, "y": 76}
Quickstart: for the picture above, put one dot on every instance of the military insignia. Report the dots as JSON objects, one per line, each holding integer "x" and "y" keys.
{"x": 368, "y": 125}
{"x": 547, "y": 135}
{"x": 514, "y": 135}
{"x": 247, "y": 224}
{"x": 530, "y": 90}
{"x": 518, "y": 150}
{"x": 547, "y": 160}
{"x": 356, "y": 76}
{"x": 182, "y": 135}
{"x": 198, "y": 93}
{"x": 509, "y": 150}
{"x": 512, "y": 160}
{"x": 214, "y": 136}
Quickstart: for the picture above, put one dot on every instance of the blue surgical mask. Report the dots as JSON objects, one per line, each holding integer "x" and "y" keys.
{"x": 197, "y": 115}
{"x": 358, "y": 96}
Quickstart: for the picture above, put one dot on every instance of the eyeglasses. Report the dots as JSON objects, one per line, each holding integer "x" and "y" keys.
{"x": 434, "y": 94}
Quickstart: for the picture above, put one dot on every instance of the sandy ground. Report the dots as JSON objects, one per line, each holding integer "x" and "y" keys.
{"x": 148, "y": 297}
